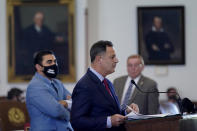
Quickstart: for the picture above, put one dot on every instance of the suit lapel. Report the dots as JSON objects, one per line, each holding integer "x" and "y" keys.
{"x": 53, "y": 92}
{"x": 134, "y": 95}
{"x": 121, "y": 87}
{"x": 105, "y": 93}
{"x": 48, "y": 85}
{"x": 140, "y": 84}
{"x": 99, "y": 85}
{"x": 115, "y": 98}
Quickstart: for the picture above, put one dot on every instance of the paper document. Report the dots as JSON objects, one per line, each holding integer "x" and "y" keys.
{"x": 132, "y": 115}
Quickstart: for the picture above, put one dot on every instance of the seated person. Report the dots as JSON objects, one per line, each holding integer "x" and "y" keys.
{"x": 16, "y": 94}
{"x": 172, "y": 94}
{"x": 170, "y": 106}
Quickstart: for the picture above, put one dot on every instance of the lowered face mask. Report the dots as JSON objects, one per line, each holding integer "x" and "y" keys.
{"x": 51, "y": 71}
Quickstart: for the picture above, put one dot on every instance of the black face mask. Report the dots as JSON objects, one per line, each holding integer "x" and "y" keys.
{"x": 51, "y": 71}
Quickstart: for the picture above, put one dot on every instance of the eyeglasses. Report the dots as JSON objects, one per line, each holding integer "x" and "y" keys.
{"x": 134, "y": 65}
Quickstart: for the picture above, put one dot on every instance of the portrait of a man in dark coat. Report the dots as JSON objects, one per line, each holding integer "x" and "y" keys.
{"x": 157, "y": 41}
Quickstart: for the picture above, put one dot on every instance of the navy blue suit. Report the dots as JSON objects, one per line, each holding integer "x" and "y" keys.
{"x": 92, "y": 104}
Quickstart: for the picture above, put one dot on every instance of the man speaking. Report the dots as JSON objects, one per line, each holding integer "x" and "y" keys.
{"x": 95, "y": 105}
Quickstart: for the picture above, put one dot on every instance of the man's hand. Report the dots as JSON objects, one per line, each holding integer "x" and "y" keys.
{"x": 134, "y": 107}
{"x": 68, "y": 97}
{"x": 117, "y": 119}
{"x": 64, "y": 103}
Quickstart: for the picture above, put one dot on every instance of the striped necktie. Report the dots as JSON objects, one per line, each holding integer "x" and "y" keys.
{"x": 128, "y": 94}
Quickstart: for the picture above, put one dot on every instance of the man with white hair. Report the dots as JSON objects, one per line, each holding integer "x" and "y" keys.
{"x": 127, "y": 93}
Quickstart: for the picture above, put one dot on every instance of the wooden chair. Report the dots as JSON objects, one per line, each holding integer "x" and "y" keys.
{"x": 3, "y": 98}
{"x": 13, "y": 115}
{"x": 27, "y": 127}
{"x": 195, "y": 102}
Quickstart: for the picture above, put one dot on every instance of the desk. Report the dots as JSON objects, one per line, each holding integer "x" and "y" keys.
{"x": 169, "y": 123}
{"x": 188, "y": 123}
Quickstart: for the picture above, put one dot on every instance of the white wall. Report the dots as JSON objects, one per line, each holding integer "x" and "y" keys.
{"x": 80, "y": 47}
{"x": 116, "y": 20}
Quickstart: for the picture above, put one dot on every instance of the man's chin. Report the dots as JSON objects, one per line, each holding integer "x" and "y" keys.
{"x": 133, "y": 77}
{"x": 112, "y": 71}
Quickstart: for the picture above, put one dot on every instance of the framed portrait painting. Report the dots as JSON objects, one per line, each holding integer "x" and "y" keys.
{"x": 35, "y": 25}
{"x": 161, "y": 38}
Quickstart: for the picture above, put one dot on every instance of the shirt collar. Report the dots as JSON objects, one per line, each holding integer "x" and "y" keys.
{"x": 43, "y": 78}
{"x": 154, "y": 29}
{"x": 38, "y": 29}
{"x": 101, "y": 78}
{"x": 136, "y": 79}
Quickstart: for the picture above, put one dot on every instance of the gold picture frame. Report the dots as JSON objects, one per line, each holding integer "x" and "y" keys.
{"x": 59, "y": 19}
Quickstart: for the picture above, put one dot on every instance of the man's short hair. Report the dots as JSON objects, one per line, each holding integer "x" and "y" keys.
{"x": 14, "y": 92}
{"x": 138, "y": 57}
{"x": 99, "y": 48}
{"x": 171, "y": 89}
{"x": 38, "y": 56}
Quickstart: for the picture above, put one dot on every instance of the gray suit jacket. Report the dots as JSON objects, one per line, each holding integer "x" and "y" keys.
{"x": 148, "y": 103}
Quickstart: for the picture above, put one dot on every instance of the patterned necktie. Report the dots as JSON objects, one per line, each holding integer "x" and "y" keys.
{"x": 128, "y": 94}
{"x": 106, "y": 86}
{"x": 54, "y": 87}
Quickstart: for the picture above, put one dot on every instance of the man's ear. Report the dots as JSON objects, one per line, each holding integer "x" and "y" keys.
{"x": 142, "y": 68}
{"x": 38, "y": 67}
{"x": 98, "y": 59}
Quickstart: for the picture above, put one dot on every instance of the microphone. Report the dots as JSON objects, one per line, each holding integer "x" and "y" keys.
{"x": 179, "y": 101}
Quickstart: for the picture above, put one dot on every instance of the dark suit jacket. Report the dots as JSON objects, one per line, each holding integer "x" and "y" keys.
{"x": 92, "y": 104}
{"x": 159, "y": 39}
{"x": 148, "y": 103}
{"x": 32, "y": 42}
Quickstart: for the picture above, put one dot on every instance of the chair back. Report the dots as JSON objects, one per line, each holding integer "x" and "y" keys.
{"x": 13, "y": 115}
